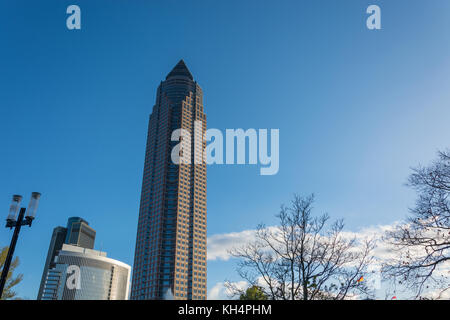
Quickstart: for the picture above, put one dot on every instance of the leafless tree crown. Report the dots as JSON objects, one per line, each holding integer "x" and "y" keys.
{"x": 422, "y": 243}
{"x": 302, "y": 260}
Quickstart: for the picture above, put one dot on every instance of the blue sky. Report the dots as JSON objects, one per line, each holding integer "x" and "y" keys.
{"x": 355, "y": 108}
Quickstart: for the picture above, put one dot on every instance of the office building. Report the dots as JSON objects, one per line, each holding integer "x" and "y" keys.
{"x": 85, "y": 274}
{"x": 78, "y": 233}
{"x": 170, "y": 253}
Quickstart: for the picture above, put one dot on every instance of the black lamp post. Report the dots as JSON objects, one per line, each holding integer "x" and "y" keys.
{"x": 12, "y": 222}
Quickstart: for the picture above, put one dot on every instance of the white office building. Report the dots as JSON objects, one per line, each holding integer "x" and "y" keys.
{"x": 86, "y": 274}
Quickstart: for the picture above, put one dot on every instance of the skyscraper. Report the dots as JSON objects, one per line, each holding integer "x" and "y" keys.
{"x": 77, "y": 233}
{"x": 170, "y": 254}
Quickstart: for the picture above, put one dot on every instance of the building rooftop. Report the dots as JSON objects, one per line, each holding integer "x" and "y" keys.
{"x": 68, "y": 247}
{"x": 180, "y": 70}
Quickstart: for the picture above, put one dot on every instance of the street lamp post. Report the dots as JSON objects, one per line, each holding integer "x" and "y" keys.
{"x": 12, "y": 222}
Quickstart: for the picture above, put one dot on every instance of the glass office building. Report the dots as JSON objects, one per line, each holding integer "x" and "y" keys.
{"x": 77, "y": 233}
{"x": 170, "y": 254}
{"x": 85, "y": 274}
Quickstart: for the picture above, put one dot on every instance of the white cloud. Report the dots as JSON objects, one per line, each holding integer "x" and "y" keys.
{"x": 220, "y": 244}
{"x": 220, "y": 292}
{"x": 438, "y": 294}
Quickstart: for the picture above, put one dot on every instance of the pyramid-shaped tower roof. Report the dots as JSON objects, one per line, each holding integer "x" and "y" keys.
{"x": 180, "y": 70}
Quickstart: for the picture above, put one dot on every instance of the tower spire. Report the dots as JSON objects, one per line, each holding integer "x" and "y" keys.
{"x": 180, "y": 70}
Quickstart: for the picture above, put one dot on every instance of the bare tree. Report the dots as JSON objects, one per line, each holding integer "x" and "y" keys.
{"x": 300, "y": 260}
{"x": 422, "y": 244}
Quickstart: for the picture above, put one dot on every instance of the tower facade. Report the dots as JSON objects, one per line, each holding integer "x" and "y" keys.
{"x": 170, "y": 254}
{"x": 56, "y": 243}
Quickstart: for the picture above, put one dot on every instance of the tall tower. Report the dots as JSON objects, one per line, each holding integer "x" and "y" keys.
{"x": 170, "y": 255}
